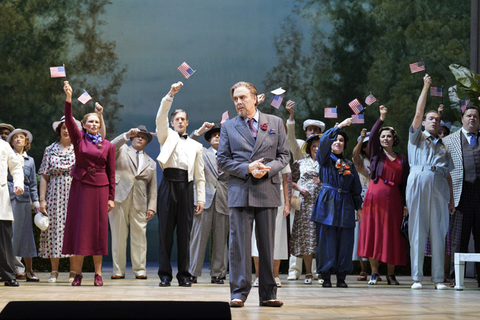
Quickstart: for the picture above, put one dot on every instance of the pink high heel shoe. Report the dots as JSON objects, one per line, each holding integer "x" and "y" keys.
{"x": 98, "y": 282}
{"x": 78, "y": 280}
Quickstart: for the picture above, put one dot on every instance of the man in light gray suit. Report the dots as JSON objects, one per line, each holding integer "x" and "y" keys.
{"x": 253, "y": 149}
{"x": 214, "y": 217}
{"x": 135, "y": 201}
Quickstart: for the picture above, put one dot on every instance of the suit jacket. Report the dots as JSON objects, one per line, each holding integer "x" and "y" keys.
{"x": 93, "y": 165}
{"x": 238, "y": 148}
{"x": 143, "y": 183}
{"x": 30, "y": 191}
{"x": 8, "y": 161}
{"x": 454, "y": 144}
{"x": 168, "y": 140}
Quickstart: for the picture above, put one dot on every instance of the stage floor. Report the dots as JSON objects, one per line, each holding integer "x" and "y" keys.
{"x": 359, "y": 301}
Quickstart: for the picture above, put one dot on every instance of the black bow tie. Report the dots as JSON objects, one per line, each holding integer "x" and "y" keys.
{"x": 184, "y": 136}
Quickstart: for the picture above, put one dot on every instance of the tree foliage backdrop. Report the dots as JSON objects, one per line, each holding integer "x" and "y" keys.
{"x": 38, "y": 34}
{"x": 331, "y": 52}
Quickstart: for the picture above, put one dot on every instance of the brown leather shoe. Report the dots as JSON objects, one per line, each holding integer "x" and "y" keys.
{"x": 236, "y": 303}
{"x": 141, "y": 276}
{"x": 21, "y": 276}
{"x": 117, "y": 276}
{"x": 217, "y": 280}
{"x": 271, "y": 303}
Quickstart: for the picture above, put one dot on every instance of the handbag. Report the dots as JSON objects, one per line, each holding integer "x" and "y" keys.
{"x": 404, "y": 227}
{"x": 295, "y": 201}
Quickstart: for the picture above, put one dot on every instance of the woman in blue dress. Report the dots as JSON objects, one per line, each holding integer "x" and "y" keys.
{"x": 337, "y": 207}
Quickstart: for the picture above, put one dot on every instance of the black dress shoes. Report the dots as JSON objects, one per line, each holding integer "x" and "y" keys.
{"x": 271, "y": 303}
{"x": 217, "y": 280}
{"x": 184, "y": 283}
{"x": 165, "y": 282}
{"x": 193, "y": 279}
{"x": 341, "y": 284}
{"x": 327, "y": 283}
{"x": 11, "y": 283}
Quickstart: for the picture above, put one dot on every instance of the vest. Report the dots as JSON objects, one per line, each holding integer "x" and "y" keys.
{"x": 471, "y": 160}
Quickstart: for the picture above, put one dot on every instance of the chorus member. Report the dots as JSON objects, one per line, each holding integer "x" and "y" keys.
{"x": 384, "y": 204}
{"x": 135, "y": 201}
{"x": 303, "y": 242}
{"x": 310, "y": 127}
{"x": 23, "y": 241}
{"x": 429, "y": 194}
{"x": 9, "y": 162}
{"x": 92, "y": 192}
{"x": 361, "y": 161}
{"x": 5, "y": 130}
{"x": 253, "y": 150}
{"x": 181, "y": 160}
{"x": 57, "y": 164}
{"x": 214, "y": 218}
{"x": 337, "y": 207}
{"x": 465, "y": 149}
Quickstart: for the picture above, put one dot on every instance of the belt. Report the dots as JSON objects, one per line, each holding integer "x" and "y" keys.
{"x": 92, "y": 168}
{"x": 429, "y": 168}
{"x": 339, "y": 190}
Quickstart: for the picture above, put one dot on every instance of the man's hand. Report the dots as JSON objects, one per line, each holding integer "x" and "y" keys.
{"x": 132, "y": 133}
{"x": 111, "y": 205}
{"x": 98, "y": 109}
{"x": 291, "y": 109}
{"x": 427, "y": 81}
{"x": 258, "y": 169}
{"x": 150, "y": 214}
{"x": 286, "y": 209}
{"x": 17, "y": 190}
{"x": 259, "y": 173}
{"x": 205, "y": 127}
{"x": 441, "y": 107}
{"x": 175, "y": 88}
{"x": 260, "y": 98}
{"x": 199, "y": 208}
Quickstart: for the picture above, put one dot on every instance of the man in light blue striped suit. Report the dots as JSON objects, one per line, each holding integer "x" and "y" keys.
{"x": 253, "y": 149}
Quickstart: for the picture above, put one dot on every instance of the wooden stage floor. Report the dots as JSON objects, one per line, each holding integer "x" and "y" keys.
{"x": 359, "y": 301}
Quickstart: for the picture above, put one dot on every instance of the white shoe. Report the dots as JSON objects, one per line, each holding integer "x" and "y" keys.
{"x": 293, "y": 275}
{"x": 320, "y": 281}
{"x": 308, "y": 278}
{"x": 440, "y": 286}
{"x": 278, "y": 282}
{"x": 417, "y": 285}
{"x": 53, "y": 277}
{"x": 255, "y": 282}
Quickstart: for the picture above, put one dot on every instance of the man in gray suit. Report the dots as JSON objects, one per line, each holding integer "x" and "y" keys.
{"x": 214, "y": 217}
{"x": 253, "y": 149}
{"x": 135, "y": 201}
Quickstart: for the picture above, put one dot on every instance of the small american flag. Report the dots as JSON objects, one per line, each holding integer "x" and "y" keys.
{"x": 370, "y": 99}
{"x": 225, "y": 117}
{"x": 356, "y": 106}
{"x": 417, "y": 66}
{"x": 57, "y": 72}
{"x": 464, "y": 104}
{"x": 84, "y": 98}
{"x": 436, "y": 91}
{"x": 358, "y": 118}
{"x": 331, "y": 113}
{"x": 277, "y": 101}
{"x": 186, "y": 70}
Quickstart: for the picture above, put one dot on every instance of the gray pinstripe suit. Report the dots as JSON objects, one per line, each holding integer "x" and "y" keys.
{"x": 252, "y": 199}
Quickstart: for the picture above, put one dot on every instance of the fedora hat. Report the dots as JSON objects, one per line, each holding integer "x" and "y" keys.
{"x": 62, "y": 119}
{"x": 18, "y": 130}
{"x": 7, "y": 126}
{"x": 144, "y": 130}
{"x": 215, "y": 128}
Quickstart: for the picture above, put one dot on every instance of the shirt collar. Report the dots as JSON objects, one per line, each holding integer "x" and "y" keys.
{"x": 431, "y": 137}
{"x": 467, "y": 133}
{"x": 256, "y": 116}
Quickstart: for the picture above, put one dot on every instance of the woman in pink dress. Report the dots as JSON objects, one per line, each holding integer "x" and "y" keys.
{"x": 92, "y": 192}
{"x": 380, "y": 239}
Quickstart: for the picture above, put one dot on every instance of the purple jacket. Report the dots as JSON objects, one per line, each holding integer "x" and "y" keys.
{"x": 377, "y": 158}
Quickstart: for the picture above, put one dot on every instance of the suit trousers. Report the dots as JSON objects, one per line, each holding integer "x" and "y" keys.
{"x": 175, "y": 210}
{"x": 7, "y": 258}
{"x": 466, "y": 220}
{"x": 125, "y": 217}
{"x": 334, "y": 251}
{"x": 216, "y": 223}
{"x": 241, "y": 224}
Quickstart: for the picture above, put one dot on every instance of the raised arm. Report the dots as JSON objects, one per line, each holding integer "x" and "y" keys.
{"x": 357, "y": 160}
{"x": 326, "y": 140}
{"x": 204, "y": 128}
{"x": 291, "y": 139}
{"x": 374, "y": 142}
{"x": 103, "y": 127}
{"x": 422, "y": 100}
{"x": 73, "y": 131}
{"x": 162, "y": 114}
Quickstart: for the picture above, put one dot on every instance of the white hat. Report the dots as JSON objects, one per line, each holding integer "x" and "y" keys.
{"x": 41, "y": 221}
{"x": 18, "y": 130}
{"x": 316, "y": 123}
{"x": 56, "y": 123}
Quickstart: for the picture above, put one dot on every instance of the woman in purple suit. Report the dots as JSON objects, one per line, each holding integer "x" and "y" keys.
{"x": 92, "y": 192}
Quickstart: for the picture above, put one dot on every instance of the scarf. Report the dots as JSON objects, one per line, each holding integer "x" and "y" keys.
{"x": 95, "y": 138}
{"x": 340, "y": 164}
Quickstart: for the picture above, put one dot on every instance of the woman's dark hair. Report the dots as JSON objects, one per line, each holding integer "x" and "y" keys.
{"x": 58, "y": 130}
{"x": 345, "y": 138}
{"x": 396, "y": 139}
{"x": 309, "y": 142}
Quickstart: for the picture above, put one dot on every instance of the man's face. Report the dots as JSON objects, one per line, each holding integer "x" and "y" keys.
{"x": 215, "y": 140}
{"x": 312, "y": 130}
{"x": 139, "y": 142}
{"x": 244, "y": 102}
{"x": 470, "y": 120}
{"x": 4, "y": 132}
{"x": 180, "y": 122}
{"x": 432, "y": 123}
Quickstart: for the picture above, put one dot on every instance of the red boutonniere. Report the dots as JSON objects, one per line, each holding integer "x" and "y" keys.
{"x": 264, "y": 126}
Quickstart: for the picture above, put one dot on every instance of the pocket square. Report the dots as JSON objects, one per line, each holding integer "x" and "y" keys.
{"x": 272, "y": 131}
